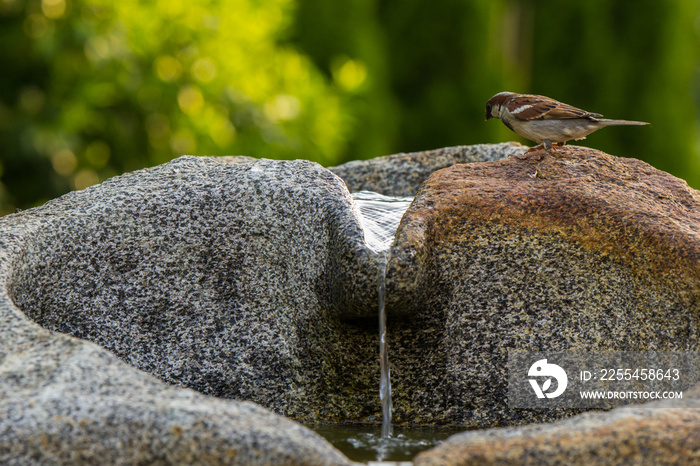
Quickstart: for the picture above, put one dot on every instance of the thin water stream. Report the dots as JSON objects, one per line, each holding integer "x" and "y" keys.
{"x": 385, "y": 377}
{"x": 379, "y": 217}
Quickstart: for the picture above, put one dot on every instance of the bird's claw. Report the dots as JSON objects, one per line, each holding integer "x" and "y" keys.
{"x": 537, "y": 152}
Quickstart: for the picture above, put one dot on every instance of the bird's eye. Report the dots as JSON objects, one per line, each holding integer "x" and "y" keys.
{"x": 488, "y": 109}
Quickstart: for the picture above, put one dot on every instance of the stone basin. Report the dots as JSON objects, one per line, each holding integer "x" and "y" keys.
{"x": 189, "y": 312}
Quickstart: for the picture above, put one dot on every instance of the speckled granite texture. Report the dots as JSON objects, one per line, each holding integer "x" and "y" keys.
{"x": 234, "y": 279}
{"x": 402, "y": 174}
{"x": 585, "y": 251}
{"x": 179, "y": 272}
{"x": 241, "y": 278}
{"x": 668, "y": 434}
{"x": 249, "y": 280}
{"x": 65, "y": 401}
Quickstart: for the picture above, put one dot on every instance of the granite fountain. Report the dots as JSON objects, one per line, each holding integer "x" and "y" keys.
{"x": 205, "y": 310}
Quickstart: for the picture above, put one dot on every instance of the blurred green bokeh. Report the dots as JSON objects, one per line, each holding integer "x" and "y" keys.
{"x": 93, "y": 88}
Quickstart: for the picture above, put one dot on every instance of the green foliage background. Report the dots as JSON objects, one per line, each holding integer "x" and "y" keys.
{"x": 93, "y": 88}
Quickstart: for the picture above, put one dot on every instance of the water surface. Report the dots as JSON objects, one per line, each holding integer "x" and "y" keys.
{"x": 365, "y": 443}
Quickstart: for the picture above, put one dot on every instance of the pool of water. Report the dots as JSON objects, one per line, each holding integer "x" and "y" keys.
{"x": 365, "y": 443}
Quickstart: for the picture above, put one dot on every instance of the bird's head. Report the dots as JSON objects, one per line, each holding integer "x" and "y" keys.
{"x": 493, "y": 106}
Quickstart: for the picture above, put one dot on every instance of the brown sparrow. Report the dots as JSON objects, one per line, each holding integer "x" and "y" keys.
{"x": 546, "y": 121}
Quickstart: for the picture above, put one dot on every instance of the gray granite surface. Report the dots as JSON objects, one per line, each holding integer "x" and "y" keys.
{"x": 402, "y": 174}
{"x": 124, "y": 305}
{"x": 658, "y": 433}
{"x": 203, "y": 273}
{"x": 583, "y": 251}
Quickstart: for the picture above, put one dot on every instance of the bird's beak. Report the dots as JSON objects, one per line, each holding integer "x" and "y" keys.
{"x": 488, "y": 116}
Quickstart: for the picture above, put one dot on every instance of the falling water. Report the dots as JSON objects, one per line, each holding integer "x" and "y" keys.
{"x": 385, "y": 378}
{"x": 379, "y": 217}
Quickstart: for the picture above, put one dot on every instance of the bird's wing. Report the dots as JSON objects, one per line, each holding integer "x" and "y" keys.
{"x": 539, "y": 107}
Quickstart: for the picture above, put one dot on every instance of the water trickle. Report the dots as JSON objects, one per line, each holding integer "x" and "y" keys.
{"x": 379, "y": 217}
{"x": 385, "y": 377}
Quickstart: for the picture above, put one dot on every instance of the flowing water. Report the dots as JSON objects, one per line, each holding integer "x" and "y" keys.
{"x": 365, "y": 443}
{"x": 385, "y": 377}
{"x": 379, "y": 217}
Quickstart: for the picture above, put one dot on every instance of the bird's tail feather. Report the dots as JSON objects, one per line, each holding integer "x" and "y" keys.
{"x": 609, "y": 122}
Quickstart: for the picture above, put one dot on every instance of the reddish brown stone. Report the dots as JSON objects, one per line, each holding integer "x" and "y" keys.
{"x": 583, "y": 251}
{"x": 634, "y": 435}
{"x": 645, "y": 219}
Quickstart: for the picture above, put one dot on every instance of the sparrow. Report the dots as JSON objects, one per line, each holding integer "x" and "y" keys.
{"x": 546, "y": 121}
